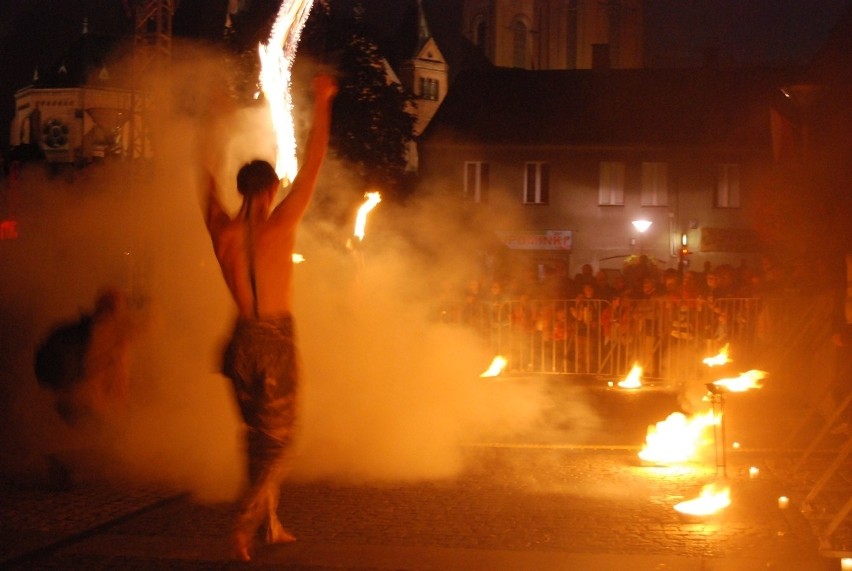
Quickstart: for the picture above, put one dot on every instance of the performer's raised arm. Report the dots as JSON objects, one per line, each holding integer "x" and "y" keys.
{"x": 215, "y": 216}
{"x": 302, "y": 189}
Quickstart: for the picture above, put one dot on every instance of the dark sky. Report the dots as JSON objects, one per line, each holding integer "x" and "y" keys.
{"x": 678, "y": 32}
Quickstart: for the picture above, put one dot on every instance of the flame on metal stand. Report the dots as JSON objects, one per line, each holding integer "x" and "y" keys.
{"x": 719, "y": 359}
{"x": 633, "y": 379}
{"x": 677, "y": 439}
{"x": 746, "y": 381}
{"x": 276, "y": 62}
{"x": 497, "y": 365}
{"x": 712, "y": 499}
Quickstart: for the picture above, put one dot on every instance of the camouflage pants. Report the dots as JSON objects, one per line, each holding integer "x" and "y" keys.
{"x": 260, "y": 360}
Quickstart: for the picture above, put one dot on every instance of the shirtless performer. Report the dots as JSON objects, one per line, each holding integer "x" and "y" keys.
{"x": 255, "y": 250}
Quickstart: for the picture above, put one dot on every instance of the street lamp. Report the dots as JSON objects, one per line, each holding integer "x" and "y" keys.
{"x": 641, "y": 226}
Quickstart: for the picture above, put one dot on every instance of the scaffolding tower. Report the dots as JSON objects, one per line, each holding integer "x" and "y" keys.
{"x": 152, "y": 51}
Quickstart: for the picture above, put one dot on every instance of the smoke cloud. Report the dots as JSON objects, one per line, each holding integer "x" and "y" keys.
{"x": 388, "y": 392}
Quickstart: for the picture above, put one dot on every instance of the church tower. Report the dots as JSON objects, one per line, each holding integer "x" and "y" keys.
{"x": 425, "y": 74}
{"x": 556, "y": 34}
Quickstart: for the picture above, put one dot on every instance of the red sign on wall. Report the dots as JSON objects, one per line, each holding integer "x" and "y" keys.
{"x": 8, "y": 229}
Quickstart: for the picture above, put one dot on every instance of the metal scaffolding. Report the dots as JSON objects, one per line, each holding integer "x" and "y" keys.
{"x": 152, "y": 51}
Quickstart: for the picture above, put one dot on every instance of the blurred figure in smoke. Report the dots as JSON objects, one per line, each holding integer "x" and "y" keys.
{"x": 255, "y": 250}
{"x": 86, "y": 364}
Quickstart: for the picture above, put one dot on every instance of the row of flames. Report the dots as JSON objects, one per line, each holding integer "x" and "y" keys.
{"x": 680, "y": 439}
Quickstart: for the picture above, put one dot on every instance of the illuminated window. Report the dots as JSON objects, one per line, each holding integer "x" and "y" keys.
{"x": 728, "y": 186}
{"x": 611, "y": 184}
{"x": 536, "y": 183}
{"x": 476, "y": 181}
{"x": 655, "y": 184}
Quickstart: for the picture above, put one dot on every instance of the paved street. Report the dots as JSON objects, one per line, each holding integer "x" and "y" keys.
{"x": 526, "y": 504}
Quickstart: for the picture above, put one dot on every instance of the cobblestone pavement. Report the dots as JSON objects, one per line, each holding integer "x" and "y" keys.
{"x": 517, "y": 506}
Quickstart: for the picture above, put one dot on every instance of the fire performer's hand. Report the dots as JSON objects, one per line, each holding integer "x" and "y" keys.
{"x": 324, "y": 86}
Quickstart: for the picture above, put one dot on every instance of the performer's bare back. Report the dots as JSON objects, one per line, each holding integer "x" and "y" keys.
{"x": 257, "y": 244}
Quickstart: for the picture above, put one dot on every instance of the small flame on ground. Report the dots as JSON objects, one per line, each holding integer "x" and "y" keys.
{"x": 748, "y": 380}
{"x": 677, "y": 439}
{"x": 712, "y": 499}
{"x": 719, "y": 359}
{"x": 633, "y": 379}
{"x": 276, "y": 62}
{"x": 497, "y": 365}
{"x": 372, "y": 199}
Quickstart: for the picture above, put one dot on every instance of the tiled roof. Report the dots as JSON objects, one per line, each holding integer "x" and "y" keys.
{"x": 637, "y": 107}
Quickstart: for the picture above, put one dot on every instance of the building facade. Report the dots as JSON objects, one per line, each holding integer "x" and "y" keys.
{"x": 557, "y": 165}
{"x": 556, "y": 34}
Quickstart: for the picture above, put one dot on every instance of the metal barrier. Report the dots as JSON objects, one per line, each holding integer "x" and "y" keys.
{"x": 668, "y": 338}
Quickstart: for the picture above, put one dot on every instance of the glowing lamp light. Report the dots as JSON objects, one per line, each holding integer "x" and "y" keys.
{"x": 846, "y": 564}
{"x": 298, "y": 258}
{"x": 642, "y": 225}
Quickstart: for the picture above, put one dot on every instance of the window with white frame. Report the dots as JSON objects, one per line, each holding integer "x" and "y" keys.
{"x": 655, "y": 184}
{"x": 611, "y": 184}
{"x": 536, "y": 183}
{"x": 476, "y": 181}
{"x": 429, "y": 88}
{"x": 728, "y": 186}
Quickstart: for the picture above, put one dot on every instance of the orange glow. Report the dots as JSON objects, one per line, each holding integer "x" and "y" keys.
{"x": 677, "y": 439}
{"x": 276, "y": 61}
{"x": 712, "y": 499}
{"x": 633, "y": 379}
{"x": 748, "y": 380}
{"x": 373, "y": 198}
{"x": 497, "y": 365}
{"x": 720, "y": 359}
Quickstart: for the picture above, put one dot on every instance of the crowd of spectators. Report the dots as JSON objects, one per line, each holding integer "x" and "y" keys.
{"x": 640, "y": 310}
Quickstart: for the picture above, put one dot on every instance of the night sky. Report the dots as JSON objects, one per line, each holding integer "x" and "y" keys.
{"x": 679, "y": 33}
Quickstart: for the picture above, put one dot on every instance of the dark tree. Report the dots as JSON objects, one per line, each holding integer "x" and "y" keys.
{"x": 373, "y": 124}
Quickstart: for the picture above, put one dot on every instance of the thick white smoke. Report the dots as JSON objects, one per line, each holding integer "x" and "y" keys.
{"x": 387, "y": 392}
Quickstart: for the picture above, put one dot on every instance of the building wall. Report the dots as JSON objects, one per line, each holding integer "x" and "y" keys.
{"x": 560, "y": 34}
{"x": 62, "y": 123}
{"x": 603, "y": 235}
{"x": 428, "y": 65}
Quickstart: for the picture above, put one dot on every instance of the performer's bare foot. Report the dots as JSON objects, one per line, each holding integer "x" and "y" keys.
{"x": 242, "y": 546}
{"x": 275, "y": 533}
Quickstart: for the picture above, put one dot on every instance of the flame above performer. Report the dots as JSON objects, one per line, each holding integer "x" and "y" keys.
{"x": 276, "y": 62}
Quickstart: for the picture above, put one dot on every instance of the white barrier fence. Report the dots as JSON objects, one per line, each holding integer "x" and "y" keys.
{"x": 669, "y": 339}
